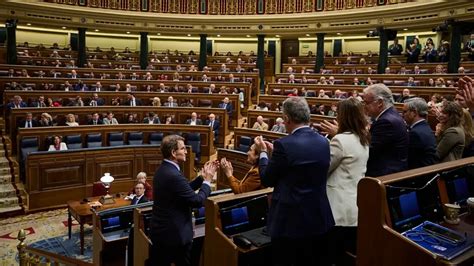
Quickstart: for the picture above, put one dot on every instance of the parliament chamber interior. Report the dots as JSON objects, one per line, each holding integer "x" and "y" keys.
{"x": 91, "y": 89}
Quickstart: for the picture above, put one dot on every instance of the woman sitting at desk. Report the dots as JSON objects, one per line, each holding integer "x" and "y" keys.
{"x": 57, "y": 145}
{"x": 251, "y": 180}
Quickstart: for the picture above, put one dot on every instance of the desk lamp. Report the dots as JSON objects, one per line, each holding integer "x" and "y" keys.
{"x": 107, "y": 180}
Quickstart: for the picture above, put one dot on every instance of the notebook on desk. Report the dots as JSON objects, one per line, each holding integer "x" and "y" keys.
{"x": 445, "y": 243}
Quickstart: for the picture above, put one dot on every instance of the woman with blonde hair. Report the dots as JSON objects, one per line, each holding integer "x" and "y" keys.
{"x": 156, "y": 102}
{"x": 71, "y": 120}
{"x": 46, "y": 120}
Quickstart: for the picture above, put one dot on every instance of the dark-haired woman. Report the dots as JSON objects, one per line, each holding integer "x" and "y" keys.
{"x": 251, "y": 180}
{"x": 349, "y": 155}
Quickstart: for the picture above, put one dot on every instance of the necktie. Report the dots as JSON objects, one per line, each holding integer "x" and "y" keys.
{"x": 225, "y": 106}
{"x": 212, "y": 124}
{"x": 29, "y": 124}
{"x": 95, "y": 122}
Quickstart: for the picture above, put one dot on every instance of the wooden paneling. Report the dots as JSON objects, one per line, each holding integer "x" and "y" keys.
{"x": 146, "y": 162}
{"x": 181, "y": 114}
{"x": 53, "y": 178}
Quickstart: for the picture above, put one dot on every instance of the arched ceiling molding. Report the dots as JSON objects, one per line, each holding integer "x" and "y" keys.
{"x": 415, "y": 15}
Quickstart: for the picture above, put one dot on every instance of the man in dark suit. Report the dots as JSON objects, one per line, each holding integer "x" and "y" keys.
{"x": 80, "y": 86}
{"x": 152, "y": 118}
{"x": 227, "y": 105}
{"x": 96, "y": 101}
{"x": 422, "y": 141}
{"x": 174, "y": 196}
{"x": 388, "y": 152}
{"x": 132, "y": 100}
{"x": 95, "y": 120}
{"x": 300, "y": 216}
{"x": 16, "y": 103}
{"x": 28, "y": 122}
{"x": 139, "y": 194}
{"x": 194, "y": 121}
{"x": 215, "y": 125}
{"x": 40, "y": 103}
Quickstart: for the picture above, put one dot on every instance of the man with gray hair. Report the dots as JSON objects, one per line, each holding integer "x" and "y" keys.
{"x": 300, "y": 217}
{"x": 388, "y": 152}
{"x": 422, "y": 141}
{"x": 279, "y": 126}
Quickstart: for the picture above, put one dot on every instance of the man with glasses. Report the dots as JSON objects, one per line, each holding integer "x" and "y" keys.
{"x": 388, "y": 151}
{"x": 422, "y": 141}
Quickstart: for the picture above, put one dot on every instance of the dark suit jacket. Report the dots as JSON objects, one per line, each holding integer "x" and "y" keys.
{"x": 388, "y": 151}
{"x": 22, "y": 123}
{"x": 174, "y": 197}
{"x": 142, "y": 200}
{"x": 198, "y": 122}
{"x": 11, "y": 105}
{"x": 422, "y": 146}
{"x": 300, "y": 206}
{"x": 215, "y": 128}
{"x": 99, "y": 122}
{"x": 138, "y": 102}
{"x": 229, "y": 108}
{"x": 156, "y": 120}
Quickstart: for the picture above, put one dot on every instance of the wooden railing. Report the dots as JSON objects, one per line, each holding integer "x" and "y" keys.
{"x": 33, "y": 256}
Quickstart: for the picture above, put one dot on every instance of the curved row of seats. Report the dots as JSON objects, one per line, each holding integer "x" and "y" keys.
{"x": 94, "y": 140}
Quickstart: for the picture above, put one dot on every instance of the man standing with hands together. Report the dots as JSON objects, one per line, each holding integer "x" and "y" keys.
{"x": 300, "y": 216}
{"x": 174, "y": 196}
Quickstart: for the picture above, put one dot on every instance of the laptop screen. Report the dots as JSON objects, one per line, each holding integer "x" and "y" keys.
{"x": 244, "y": 215}
{"x": 405, "y": 211}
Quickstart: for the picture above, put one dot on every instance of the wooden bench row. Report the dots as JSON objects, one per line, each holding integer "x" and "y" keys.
{"x": 137, "y": 86}
{"x": 68, "y": 98}
{"x": 180, "y": 114}
{"x": 356, "y": 68}
{"x": 43, "y": 136}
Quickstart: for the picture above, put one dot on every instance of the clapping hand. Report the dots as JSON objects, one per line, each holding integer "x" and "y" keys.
{"x": 329, "y": 127}
{"x": 209, "y": 170}
{"x": 263, "y": 145}
{"x": 227, "y": 167}
{"x": 466, "y": 90}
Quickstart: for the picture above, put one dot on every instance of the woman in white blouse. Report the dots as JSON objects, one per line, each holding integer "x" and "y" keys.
{"x": 57, "y": 145}
{"x": 349, "y": 155}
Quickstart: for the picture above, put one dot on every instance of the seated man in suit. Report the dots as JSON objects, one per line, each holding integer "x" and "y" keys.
{"x": 110, "y": 119}
{"x": 95, "y": 120}
{"x": 73, "y": 74}
{"x": 16, "y": 103}
{"x": 194, "y": 120}
{"x": 40, "y": 103}
{"x": 152, "y": 118}
{"x": 80, "y": 86}
{"x": 28, "y": 122}
{"x": 170, "y": 102}
{"x": 98, "y": 87}
{"x": 215, "y": 125}
{"x": 141, "y": 178}
{"x": 422, "y": 141}
{"x": 139, "y": 196}
{"x": 260, "y": 124}
{"x": 227, "y": 105}
{"x": 132, "y": 100}
{"x": 96, "y": 101}
{"x": 279, "y": 126}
